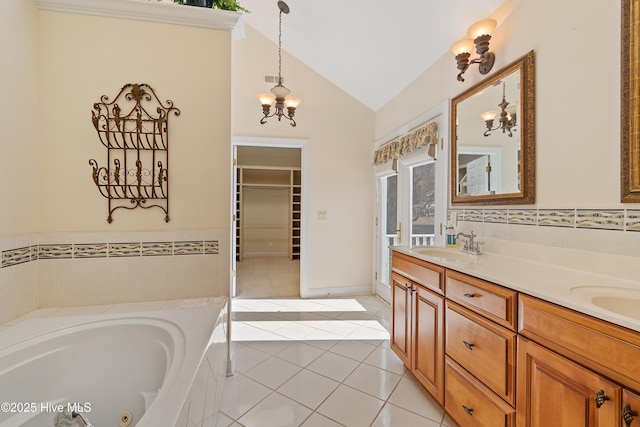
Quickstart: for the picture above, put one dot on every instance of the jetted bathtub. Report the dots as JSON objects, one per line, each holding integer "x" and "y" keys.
{"x": 148, "y": 369}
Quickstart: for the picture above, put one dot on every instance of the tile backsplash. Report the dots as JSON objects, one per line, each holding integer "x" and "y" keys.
{"x": 612, "y": 231}
{"x": 604, "y": 219}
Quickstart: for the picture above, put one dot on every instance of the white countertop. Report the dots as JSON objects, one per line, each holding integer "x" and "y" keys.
{"x": 557, "y": 275}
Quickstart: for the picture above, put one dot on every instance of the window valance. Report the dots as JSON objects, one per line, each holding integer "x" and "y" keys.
{"x": 407, "y": 143}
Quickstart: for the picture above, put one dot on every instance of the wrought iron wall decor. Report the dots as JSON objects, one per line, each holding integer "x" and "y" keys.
{"x": 134, "y": 128}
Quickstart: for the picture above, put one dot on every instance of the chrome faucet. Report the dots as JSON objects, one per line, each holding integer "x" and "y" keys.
{"x": 471, "y": 246}
{"x": 68, "y": 418}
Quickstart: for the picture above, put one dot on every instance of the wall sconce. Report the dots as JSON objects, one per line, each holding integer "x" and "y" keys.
{"x": 507, "y": 120}
{"x": 279, "y": 93}
{"x": 479, "y": 36}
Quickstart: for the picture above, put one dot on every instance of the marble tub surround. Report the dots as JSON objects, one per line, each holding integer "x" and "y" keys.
{"x": 554, "y": 274}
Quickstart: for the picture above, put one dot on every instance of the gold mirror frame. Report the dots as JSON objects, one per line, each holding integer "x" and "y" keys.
{"x": 630, "y": 102}
{"x": 526, "y": 195}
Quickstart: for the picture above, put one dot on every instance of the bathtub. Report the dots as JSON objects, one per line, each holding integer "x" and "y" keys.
{"x": 147, "y": 369}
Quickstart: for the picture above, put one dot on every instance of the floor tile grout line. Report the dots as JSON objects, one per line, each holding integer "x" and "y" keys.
{"x": 382, "y": 344}
{"x": 385, "y": 401}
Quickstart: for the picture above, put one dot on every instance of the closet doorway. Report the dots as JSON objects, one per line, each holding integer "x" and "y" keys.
{"x": 268, "y": 226}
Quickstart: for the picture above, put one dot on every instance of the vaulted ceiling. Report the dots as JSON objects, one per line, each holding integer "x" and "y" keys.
{"x": 371, "y": 49}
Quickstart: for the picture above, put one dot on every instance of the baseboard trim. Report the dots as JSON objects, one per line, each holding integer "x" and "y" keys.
{"x": 342, "y": 291}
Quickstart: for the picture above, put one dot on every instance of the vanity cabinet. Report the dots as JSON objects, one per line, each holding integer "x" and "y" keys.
{"x": 480, "y": 347}
{"x": 470, "y": 403}
{"x": 417, "y": 332}
{"x": 505, "y": 358}
{"x": 579, "y": 368}
{"x": 553, "y": 390}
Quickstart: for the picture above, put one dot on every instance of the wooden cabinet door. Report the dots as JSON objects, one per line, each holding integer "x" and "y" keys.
{"x": 401, "y": 318}
{"x": 630, "y": 409}
{"x": 554, "y": 391}
{"x": 428, "y": 344}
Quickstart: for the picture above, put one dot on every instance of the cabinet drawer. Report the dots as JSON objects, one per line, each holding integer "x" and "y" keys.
{"x": 492, "y": 301}
{"x": 486, "y": 350}
{"x": 470, "y": 403}
{"x": 606, "y": 348}
{"x": 425, "y": 273}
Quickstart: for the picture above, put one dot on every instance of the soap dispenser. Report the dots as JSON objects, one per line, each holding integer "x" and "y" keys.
{"x": 451, "y": 236}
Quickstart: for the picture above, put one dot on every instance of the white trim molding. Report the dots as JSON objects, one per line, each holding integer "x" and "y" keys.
{"x": 153, "y": 11}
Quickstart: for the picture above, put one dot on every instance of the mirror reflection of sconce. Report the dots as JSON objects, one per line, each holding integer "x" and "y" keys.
{"x": 479, "y": 35}
{"x": 507, "y": 120}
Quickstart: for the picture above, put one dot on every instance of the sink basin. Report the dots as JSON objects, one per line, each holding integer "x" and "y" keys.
{"x": 623, "y": 301}
{"x": 450, "y": 254}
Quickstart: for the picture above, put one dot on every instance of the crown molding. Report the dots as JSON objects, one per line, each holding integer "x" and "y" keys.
{"x": 152, "y": 11}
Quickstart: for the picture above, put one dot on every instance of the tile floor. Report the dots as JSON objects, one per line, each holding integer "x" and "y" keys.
{"x": 320, "y": 362}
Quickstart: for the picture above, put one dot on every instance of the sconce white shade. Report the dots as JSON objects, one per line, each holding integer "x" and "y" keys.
{"x": 489, "y": 115}
{"x": 280, "y": 91}
{"x": 463, "y": 46}
{"x": 482, "y": 28}
{"x": 266, "y": 98}
{"x": 292, "y": 102}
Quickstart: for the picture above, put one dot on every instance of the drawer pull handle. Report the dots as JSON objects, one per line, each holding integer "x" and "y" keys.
{"x": 468, "y": 345}
{"x": 628, "y": 414}
{"x": 467, "y": 410}
{"x": 469, "y": 295}
{"x": 600, "y": 398}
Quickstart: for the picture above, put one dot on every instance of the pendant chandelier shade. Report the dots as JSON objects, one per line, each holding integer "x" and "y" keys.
{"x": 285, "y": 105}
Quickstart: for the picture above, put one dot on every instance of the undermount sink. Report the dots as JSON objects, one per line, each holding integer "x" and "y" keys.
{"x": 451, "y": 254}
{"x": 623, "y": 301}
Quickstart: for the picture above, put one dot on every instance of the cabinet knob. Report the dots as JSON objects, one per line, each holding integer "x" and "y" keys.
{"x": 469, "y": 295}
{"x": 600, "y": 398}
{"x": 628, "y": 414}
{"x": 467, "y": 410}
{"x": 468, "y": 345}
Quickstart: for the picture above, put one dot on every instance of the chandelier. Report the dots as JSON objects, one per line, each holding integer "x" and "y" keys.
{"x": 279, "y": 93}
{"x": 507, "y": 119}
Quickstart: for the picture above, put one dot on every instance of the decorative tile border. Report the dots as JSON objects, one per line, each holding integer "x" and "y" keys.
{"x": 19, "y": 256}
{"x": 598, "y": 219}
{"x": 25, "y": 254}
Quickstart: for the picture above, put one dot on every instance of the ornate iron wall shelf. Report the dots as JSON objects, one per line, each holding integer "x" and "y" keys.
{"x": 134, "y": 128}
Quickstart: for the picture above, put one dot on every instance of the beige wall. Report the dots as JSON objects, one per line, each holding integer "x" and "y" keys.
{"x": 18, "y": 151}
{"x": 83, "y": 57}
{"x": 577, "y": 94}
{"x": 54, "y": 67}
{"x": 339, "y": 131}
{"x": 18, "y": 118}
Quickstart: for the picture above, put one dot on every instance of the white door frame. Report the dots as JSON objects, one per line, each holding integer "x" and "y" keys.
{"x": 441, "y": 115}
{"x": 303, "y": 145}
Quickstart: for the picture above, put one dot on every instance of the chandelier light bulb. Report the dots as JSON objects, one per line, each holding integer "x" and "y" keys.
{"x": 292, "y": 102}
{"x": 489, "y": 115}
{"x": 266, "y": 98}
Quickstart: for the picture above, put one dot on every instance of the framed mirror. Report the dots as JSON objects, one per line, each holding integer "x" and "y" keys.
{"x": 630, "y": 102}
{"x": 493, "y": 138}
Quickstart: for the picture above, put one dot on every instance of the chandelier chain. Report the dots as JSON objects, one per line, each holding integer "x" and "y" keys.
{"x": 280, "y": 48}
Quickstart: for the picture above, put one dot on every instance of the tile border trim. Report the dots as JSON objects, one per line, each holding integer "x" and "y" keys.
{"x": 596, "y": 219}
{"x": 24, "y": 254}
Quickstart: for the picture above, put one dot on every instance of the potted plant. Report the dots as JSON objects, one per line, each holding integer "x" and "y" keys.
{"x": 232, "y": 5}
